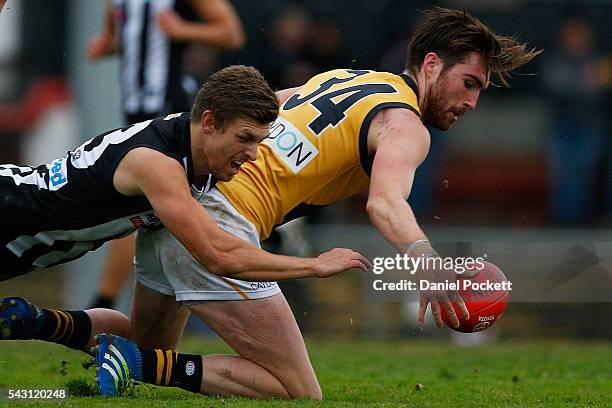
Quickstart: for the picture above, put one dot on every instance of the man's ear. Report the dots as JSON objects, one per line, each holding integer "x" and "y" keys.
{"x": 432, "y": 64}
{"x": 207, "y": 121}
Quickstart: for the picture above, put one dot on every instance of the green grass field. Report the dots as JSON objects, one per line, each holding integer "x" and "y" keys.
{"x": 364, "y": 373}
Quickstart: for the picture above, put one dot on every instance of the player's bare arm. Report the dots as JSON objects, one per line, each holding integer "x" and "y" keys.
{"x": 400, "y": 143}
{"x": 104, "y": 43}
{"x": 221, "y": 253}
{"x": 285, "y": 94}
{"x": 221, "y": 27}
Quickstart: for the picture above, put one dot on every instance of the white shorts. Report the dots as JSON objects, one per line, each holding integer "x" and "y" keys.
{"x": 165, "y": 266}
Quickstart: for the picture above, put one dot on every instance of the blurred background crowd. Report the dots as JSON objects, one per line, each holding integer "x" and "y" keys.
{"x": 536, "y": 158}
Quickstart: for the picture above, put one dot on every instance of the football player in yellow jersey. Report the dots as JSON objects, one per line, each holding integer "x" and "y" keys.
{"x": 341, "y": 132}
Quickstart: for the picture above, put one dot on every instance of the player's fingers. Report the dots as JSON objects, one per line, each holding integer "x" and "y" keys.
{"x": 357, "y": 260}
{"x": 443, "y": 301}
{"x": 465, "y": 313}
{"x": 422, "y": 309}
{"x": 437, "y": 314}
{"x": 458, "y": 300}
{"x": 365, "y": 261}
{"x": 357, "y": 263}
{"x": 452, "y": 316}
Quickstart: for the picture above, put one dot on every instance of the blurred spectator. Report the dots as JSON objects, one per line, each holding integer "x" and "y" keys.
{"x": 576, "y": 90}
{"x": 151, "y": 38}
{"x": 325, "y": 45}
{"x": 285, "y": 63}
{"x": 200, "y": 61}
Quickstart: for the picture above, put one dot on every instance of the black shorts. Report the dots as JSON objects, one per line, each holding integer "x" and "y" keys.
{"x": 11, "y": 266}
{"x": 15, "y": 220}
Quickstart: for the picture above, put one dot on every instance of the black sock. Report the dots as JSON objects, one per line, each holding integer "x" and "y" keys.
{"x": 172, "y": 369}
{"x": 70, "y": 328}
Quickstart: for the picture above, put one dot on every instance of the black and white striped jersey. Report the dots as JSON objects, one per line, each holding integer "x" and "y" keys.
{"x": 151, "y": 64}
{"x": 56, "y": 212}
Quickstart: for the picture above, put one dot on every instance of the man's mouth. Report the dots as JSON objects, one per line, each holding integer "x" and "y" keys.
{"x": 236, "y": 164}
{"x": 456, "y": 114}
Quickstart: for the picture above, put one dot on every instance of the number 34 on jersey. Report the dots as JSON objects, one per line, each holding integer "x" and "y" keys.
{"x": 334, "y": 104}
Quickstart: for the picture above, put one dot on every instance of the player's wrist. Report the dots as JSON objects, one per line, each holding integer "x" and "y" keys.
{"x": 421, "y": 248}
{"x": 317, "y": 267}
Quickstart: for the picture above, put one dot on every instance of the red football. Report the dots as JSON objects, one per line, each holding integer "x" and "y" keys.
{"x": 485, "y": 296}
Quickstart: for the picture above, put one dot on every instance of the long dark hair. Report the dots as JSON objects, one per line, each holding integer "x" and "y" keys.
{"x": 452, "y": 34}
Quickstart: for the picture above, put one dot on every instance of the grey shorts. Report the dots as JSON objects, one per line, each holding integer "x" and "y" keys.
{"x": 165, "y": 266}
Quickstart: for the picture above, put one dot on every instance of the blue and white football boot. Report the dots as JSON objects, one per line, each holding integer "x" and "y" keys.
{"x": 118, "y": 361}
{"x": 19, "y": 319}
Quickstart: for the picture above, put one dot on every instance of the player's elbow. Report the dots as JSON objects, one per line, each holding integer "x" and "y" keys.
{"x": 377, "y": 206}
{"x": 220, "y": 252}
{"x": 221, "y": 263}
{"x": 216, "y": 268}
{"x": 210, "y": 259}
{"x": 228, "y": 266}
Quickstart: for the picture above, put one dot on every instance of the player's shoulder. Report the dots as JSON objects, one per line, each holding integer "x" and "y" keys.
{"x": 167, "y": 134}
{"x": 360, "y": 74}
{"x": 170, "y": 122}
{"x": 347, "y": 77}
{"x": 347, "y": 73}
{"x": 396, "y": 126}
{"x": 172, "y": 127}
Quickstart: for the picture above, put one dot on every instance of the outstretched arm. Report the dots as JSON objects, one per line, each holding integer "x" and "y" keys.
{"x": 221, "y": 253}
{"x": 220, "y": 26}
{"x": 401, "y": 143}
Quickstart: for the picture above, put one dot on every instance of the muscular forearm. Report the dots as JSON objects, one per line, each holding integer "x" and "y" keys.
{"x": 258, "y": 265}
{"x": 224, "y": 254}
{"x": 395, "y": 221}
{"x": 277, "y": 269}
{"x": 247, "y": 262}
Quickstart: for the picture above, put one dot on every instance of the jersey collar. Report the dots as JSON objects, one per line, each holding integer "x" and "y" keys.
{"x": 410, "y": 82}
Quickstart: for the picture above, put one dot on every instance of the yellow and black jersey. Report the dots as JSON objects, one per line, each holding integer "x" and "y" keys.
{"x": 317, "y": 152}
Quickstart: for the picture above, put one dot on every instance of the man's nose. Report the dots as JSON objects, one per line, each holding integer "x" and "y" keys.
{"x": 251, "y": 152}
{"x": 471, "y": 101}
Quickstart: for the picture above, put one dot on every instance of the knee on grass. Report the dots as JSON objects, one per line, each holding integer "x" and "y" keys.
{"x": 307, "y": 392}
{"x": 299, "y": 384}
